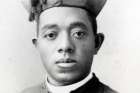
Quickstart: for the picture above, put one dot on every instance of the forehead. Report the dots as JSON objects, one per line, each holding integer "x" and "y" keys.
{"x": 63, "y": 16}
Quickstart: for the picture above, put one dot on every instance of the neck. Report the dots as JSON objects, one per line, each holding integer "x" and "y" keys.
{"x": 68, "y": 88}
{"x": 64, "y": 82}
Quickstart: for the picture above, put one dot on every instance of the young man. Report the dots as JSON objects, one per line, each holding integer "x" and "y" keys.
{"x": 67, "y": 41}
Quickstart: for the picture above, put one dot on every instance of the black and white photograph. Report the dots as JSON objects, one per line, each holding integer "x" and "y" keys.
{"x": 70, "y": 46}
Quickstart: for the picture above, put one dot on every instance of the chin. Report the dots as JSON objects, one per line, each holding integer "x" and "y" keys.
{"x": 69, "y": 78}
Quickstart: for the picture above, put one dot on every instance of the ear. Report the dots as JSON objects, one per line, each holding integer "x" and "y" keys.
{"x": 34, "y": 41}
{"x": 99, "y": 38}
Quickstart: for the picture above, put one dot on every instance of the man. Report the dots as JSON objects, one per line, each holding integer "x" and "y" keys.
{"x": 67, "y": 41}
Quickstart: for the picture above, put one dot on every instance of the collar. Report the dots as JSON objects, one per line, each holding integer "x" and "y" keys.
{"x": 68, "y": 88}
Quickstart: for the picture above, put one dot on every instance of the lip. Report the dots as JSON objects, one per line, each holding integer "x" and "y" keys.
{"x": 66, "y": 63}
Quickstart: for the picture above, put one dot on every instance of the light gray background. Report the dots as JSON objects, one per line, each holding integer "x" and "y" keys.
{"x": 117, "y": 63}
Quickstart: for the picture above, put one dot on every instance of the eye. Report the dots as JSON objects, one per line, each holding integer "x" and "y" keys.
{"x": 79, "y": 34}
{"x": 50, "y": 35}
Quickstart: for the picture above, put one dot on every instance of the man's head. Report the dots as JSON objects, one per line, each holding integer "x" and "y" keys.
{"x": 67, "y": 43}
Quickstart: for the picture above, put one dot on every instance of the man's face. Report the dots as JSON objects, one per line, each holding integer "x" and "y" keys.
{"x": 66, "y": 44}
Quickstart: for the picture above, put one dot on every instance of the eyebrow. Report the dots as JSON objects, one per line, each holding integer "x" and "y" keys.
{"x": 77, "y": 24}
{"x": 49, "y": 26}
{"x": 71, "y": 26}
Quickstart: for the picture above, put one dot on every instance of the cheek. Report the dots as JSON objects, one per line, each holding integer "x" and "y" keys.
{"x": 45, "y": 50}
{"x": 46, "y": 53}
{"x": 85, "y": 52}
{"x": 86, "y": 48}
{"x": 85, "y": 58}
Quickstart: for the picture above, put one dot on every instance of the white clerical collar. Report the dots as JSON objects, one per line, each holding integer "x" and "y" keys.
{"x": 68, "y": 88}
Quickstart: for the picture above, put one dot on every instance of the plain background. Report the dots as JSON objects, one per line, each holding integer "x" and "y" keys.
{"x": 117, "y": 63}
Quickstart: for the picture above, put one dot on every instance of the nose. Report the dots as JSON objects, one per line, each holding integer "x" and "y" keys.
{"x": 66, "y": 45}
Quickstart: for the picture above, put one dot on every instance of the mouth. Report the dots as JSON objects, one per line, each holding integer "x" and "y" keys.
{"x": 66, "y": 63}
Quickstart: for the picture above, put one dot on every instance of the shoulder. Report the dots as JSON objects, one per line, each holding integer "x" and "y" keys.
{"x": 40, "y": 88}
{"x": 100, "y": 87}
{"x": 107, "y": 89}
